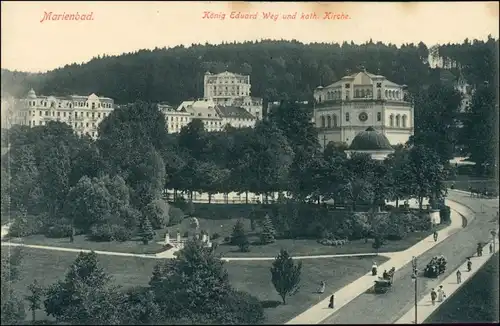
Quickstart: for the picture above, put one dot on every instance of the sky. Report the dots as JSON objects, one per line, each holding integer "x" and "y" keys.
{"x": 31, "y": 42}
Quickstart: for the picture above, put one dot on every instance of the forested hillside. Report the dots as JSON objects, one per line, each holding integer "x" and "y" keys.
{"x": 278, "y": 69}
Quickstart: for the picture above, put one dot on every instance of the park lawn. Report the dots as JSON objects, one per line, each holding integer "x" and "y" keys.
{"x": 475, "y": 302}
{"x": 81, "y": 242}
{"x": 48, "y": 266}
{"x": 464, "y": 183}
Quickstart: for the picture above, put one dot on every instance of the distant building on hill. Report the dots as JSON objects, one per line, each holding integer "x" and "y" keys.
{"x": 82, "y": 113}
{"x": 231, "y": 89}
{"x": 350, "y": 105}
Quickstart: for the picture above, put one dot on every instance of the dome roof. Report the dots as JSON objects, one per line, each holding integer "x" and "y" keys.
{"x": 370, "y": 140}
{"x": 31, "y": 94}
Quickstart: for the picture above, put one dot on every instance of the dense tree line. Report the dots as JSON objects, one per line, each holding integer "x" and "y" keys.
{"x": 278, "y": 69}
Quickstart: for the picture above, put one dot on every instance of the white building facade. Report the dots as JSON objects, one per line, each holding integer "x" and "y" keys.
{"x": 82, "y": 113}
{"x": 350, "y": 105}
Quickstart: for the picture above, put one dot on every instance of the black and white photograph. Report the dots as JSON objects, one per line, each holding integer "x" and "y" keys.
{"x": 220, "y": 163}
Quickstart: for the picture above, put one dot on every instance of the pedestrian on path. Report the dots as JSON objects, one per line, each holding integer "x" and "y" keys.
{"x": 459, "y": 277}
{"x": 479, "y": 249}
{"x": 331, "y": 305}
{"x": 441, "y": 294}
{"x": 322, "y": 287}
{"x": 374, "y": 269}
{"x": 433, "y": 297}
{"x": 469, "y": 265}
{"x": 435, "y": 236}
{"x": 491, "y": 247}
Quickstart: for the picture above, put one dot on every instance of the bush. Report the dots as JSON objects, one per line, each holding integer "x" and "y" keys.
{"x": 445, "y": 214}
{"x": 396, "y": 231}
{"x": 26, "y": 226}
{"x": 316, "y": 230}
{"x": 242, "y": 308}
{"x": 157, "y": 213}
{"x": 215, "y": 236}
{"x": 176, "y": 215}
{"x": 186, "y": 234}
{"x": 59, "y": 231}
{"x": 101, "y": 232}
{"x": 121, "y": 233}
{"x": 227, "y": 239}
{"x": 130, "y": 217}
{"x": 180, "y": 202}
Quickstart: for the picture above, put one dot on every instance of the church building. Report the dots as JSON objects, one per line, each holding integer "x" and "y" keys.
{"x": 361, "y": 100}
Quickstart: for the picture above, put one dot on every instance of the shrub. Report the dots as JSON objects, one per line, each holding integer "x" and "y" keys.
{"x": 316, "y": 230}
{"x": 268, "y": 232}
{"x": 396, "y": 231}
{"x": 121, "y": 233}
{"x": 26, "y": 226}
{"x": 157, "y": 213}
{"x": 215, "y": 236}
{"x": 130, "y": 217}
{"x": 101, "y": 232}
{"x": 227, "y": 239}
{"x": 59, "y": 230}
{"x": 146, "y": 231}
{"x": 176, "y": 215}
{"x": 241, "y": 308}
{"x": 180, "y": 202}
{"x": 186, "y": 234}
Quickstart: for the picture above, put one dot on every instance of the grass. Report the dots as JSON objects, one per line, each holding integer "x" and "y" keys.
{"x": 475, "y": 302}
{"x": 80, "y": 242}
{"x": 465, "y": 182}
{"x": 48, "y": 266}
{"x": 224, "y": 227}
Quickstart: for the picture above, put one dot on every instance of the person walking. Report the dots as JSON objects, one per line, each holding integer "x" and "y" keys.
{"x": 469, "y": 265}
{"x": 433, "y": 297}
{"x": 374, "y": 269}
{"x": 435, "y": 236}
{"x": 331, "y": 305}
{"x": 322, "y": 287}
{"x": 459, "y": 277}
{"x": 441, "y": 294}
{"x": 491, "y": 248}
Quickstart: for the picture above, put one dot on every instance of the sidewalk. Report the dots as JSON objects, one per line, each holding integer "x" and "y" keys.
{"x": 450, "y": 286}
{"x": 319, "y": 312}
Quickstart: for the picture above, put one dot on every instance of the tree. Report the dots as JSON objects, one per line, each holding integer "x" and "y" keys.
{"x": 157, "y": 213}
{"x": 193, "y": 283}
{"x": 85, "y": 296}
{"x": 12, "y": 306}
{"x": 146, "y": 230}
{"x": 268, "y": 232}
{"x": 34, "y": 298}
{"x": 285, "y": 275}
{"x": 239, "y": 238}
{"x": 378, "y": 242}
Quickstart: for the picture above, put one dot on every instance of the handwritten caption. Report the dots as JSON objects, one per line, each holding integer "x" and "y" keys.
{"x": 327, "y": 15}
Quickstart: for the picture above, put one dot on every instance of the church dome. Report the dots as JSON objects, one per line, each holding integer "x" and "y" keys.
{"x": 31, "y": 94}
{"x": 370, "y": 140}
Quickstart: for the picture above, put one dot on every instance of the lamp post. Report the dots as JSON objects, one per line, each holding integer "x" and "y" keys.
{"x": 415, "y": 279}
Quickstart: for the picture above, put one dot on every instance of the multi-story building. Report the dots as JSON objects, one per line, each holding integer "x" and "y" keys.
{"x": 358, "y": 101}
{"x": 466, "y": 90}
{"x": 232, "y": 89}
{"x": 235, "y": 116}
{"x": 82, "y": 113}
{"x": 203, "y": 109}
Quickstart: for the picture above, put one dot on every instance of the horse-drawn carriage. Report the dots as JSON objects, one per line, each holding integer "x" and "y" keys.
{"x": 384, "y": 283}
{"x": 435, "y": 267}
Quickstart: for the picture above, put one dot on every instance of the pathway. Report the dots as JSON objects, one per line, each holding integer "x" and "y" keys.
{"x": 450, "y": 286}
{"x": 369, "y": 308}
{"x": 320, "y": 311}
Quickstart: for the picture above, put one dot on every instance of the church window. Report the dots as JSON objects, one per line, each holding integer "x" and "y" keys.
{"x": 363, "y": 93}
{"x": 322, "y": 122}
{"x": 391, "y": 120}
{"x": 379, "y": 116}
{"x": 347, "y": 116}
{"x": 347, "y": 85}
{"x": 329, "y": 121}
{"x": 404, "y": 121}
{"x": 379, "y": 94}
{"x": 397, "y": 120}
{"x": 357, "y": 93}
{"x": 347, "y": 96}
{"x": 386, "y": 93}
{"x": 379, "y": 85}
{"x": 335, "y": 120}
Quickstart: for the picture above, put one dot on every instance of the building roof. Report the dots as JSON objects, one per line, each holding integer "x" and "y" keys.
{"x": 361, "y": 78}
{"x": 370, "y": 140}
{"x": 233, "y": 112}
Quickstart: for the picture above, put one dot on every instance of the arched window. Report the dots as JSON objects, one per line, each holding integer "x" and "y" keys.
{"x": 335, "y": 120}
{"x": 391, "y": 120}
{"x": 363, "y": 93}
{"x": 386, "y": 93}
{"x": 404, "y": 121}
{"x": 319, "y": 100}
{"x": 347, "y": 116}
{"x": 379, "y": 94}
{"x": 398, "y": 117}
{"x": 357, "y": 93}
{"x": 322, "y": 122}
{"x": 398, "y": 95}
{"x": 328, "y": 121}
{"x": 347, "y": 95}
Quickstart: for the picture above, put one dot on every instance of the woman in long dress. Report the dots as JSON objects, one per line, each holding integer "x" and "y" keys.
{"x": 441, "y": 294}
{"x": 322, "y": 287}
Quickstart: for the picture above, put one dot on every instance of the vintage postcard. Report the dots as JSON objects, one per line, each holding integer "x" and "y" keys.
{"x": 212, "y": 162}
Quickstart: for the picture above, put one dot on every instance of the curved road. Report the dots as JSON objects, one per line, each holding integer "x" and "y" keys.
{"x": 388, "y": 308}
